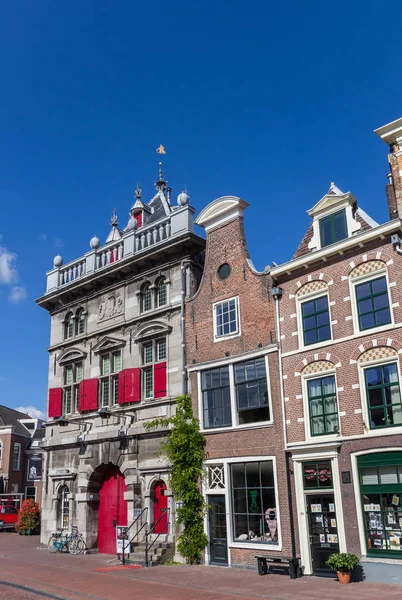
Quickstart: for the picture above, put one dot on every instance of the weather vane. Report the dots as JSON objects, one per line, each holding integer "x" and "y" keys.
{"x": 160, "y": 184}
{"x": 161, "y": 150}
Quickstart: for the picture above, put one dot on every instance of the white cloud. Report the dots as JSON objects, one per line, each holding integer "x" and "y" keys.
{"x": 8, "y": 272}
{"x": 43, "y": 237}
{"x": 58, "y": 243}
{"x": 32, "y": 411}
{"x": 17, "y": 294}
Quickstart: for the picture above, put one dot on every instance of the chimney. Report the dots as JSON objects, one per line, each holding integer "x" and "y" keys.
{"x": 391, "y": 134}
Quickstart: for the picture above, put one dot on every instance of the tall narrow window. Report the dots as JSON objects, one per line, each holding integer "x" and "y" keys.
{"x": 109, "y": 381}
{"x": 251, "y": 391}
{"x": 73, "y": 375}
{"x": 226, "y": 318}
{"x": 161, "y": 293}
{"x": 373, "y": 303}
{"x": 333, "y": 228}
{"x": 1, "y": 452}
{"x": 323, "y": 406}
{"x": 316, "y": 326}
{"x": 153, "y": 352}
{"x": 69, "y": 326}
{"x": 63, "y": 507}
{"x": 146, "y": 298}
{"x": 383, "y": 396}
{"x": 16, "y": 456}
{"x": 81, "y": 322}
{"x": 216, "y": 398}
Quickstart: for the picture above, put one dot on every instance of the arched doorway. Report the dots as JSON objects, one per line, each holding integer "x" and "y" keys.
{"x": 160, "y": 508}
{"x": 112, "y": 509}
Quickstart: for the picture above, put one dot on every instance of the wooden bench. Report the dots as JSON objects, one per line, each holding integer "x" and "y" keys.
{"x": 287, "y": 562}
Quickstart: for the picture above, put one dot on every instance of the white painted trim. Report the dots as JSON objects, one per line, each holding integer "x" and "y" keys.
{"x": 307, "y": 428}
{"x": 232, "y": 359}
{"x": 352, "y": 287}
{"x": 307, "y": 298}
{"x": 236, "y": 333}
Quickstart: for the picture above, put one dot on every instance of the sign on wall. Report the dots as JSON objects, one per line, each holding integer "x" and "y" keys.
{"x": 34, "y": 467}
{"x": 122, "y": 540}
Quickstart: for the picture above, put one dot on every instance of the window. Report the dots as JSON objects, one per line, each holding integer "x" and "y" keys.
{"x": 251, "y": 391}
{"x": 315, "y": 316}
{"x": 63, "y": 507}
{"x": 373, "y": 303}
{"x": 146, "y": 298}
{"x": 216, "y": 398}
{"x": 380, "y": 478}
{"x": 161, "y": 293}
{"x": 254, "y": 503}
{"x": 16, "y": 456}
{"x": 226, "y": 318}
{"x": 383, "y": 396}
{"x": 323, "y": 406}
{"x": 69, "y": 326}
{"x": 80, "y": 329}
{"x": 317, "y": 475}
{"x": 1, "y": 453}
{"x": 236, "y": 394}
{"x": 109, "y": 381}
{"x": 224, "y": 271}
{"x": 153, "y": 353}
{"x": 333, "y": 228}
{"x": 30, "y": 493}
{"x": 73, "y": 375}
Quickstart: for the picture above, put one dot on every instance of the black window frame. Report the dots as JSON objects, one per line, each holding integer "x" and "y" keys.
{"x": 246, "y": 384}
{"x": 205, "y": 389}
{"x": 371, "y": 297}
{"x": 322, "y": 397}
{"x": 332, "y": 225}
{"x": 315, "y": 314}
{"x": 383, "y": 386}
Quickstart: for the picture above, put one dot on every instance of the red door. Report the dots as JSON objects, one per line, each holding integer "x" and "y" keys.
{"x": 112, "y": 510}
{"x": 160, "y": 506}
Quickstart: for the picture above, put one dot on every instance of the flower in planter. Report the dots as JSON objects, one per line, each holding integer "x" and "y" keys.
{"x": 342, "y": 562}
{"x": 29, "y": 517}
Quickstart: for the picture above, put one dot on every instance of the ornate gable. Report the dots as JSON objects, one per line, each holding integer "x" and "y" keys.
{"x": 151, "y": 330}
{"x": 71, "y": 355}
{"x": 108, "y": 343}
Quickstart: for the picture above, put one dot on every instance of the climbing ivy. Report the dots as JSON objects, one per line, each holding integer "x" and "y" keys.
{"x": 184, "y": 447}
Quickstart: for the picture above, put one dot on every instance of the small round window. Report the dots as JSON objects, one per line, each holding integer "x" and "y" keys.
{"x": 224, "y": 271}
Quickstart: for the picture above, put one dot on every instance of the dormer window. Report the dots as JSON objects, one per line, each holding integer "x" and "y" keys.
{"x": 333, "y": 228}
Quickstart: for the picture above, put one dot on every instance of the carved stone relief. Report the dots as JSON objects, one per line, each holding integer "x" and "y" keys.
{"x": 111, "y": 305}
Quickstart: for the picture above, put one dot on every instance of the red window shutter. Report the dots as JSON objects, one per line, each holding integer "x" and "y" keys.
{"x": 55, "y": 402}
{"x": 138, "y": 216}
{"x": 88, "y": 395}
{"x": 160, "y": 380}
{"x": 130, "y": 386}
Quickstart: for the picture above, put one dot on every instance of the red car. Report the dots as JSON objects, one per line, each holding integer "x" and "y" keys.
{"x": 8, "y": 517}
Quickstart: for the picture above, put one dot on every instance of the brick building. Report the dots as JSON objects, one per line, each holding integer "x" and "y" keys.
{"x": 115, "y": 362}
{"x": 232, "y": 360}
{"x": 340, "y": 324}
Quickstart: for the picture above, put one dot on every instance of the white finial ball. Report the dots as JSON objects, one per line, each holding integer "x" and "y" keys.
{"x": 132, "y": 224}
{"x": 94, "y": 243}
{"x": 183, "y": 199}
{"x": 58, "y": 261}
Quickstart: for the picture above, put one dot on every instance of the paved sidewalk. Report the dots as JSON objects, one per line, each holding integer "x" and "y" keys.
{"x": 91, "y": 577}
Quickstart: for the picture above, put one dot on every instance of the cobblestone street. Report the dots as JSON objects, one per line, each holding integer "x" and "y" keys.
{"x": 27, "y": 573}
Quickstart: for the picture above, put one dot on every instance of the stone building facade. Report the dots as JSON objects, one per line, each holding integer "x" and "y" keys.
{"x": 339, "y": 304}
{"x": 116, "y": 362}
{"x": 232, "y": 360}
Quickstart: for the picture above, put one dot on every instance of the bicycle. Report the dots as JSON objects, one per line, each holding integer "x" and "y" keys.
{"x": 63, "y": 542}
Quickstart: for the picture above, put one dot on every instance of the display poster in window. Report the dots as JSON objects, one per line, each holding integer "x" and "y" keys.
{"x": 322, "y": 538}
{"x": 332, "y": 538}
{"x": 34, "y": 467}
{"x": 394, "y": 541}
{"x": 316, "y": 508}
{"x": 395, "y": 500}
{"x": 331, "y": 507}
{"x": 122, "y": 544}
{"x": 372, "y": 507}
{"x": 333, "y": 522}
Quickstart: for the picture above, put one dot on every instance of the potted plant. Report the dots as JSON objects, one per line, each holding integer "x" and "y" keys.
{"x": 28, "y": 518}
{"x": 343, "y": 563}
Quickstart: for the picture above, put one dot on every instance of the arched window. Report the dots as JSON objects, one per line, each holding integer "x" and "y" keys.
{"x": 146, "y": 298}
{"x": 80, "y": 323}
{"x": 161, "y": 293}
{"x": 69, "y": 326}
{"x": 63, "y": 507}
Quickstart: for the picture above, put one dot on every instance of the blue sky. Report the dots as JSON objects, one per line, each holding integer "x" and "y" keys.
{"x": 266, "y": 101}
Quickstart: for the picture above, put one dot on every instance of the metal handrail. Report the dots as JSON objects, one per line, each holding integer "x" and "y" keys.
{"x": 148, "y": 532}
{"x": 143, "y": 512}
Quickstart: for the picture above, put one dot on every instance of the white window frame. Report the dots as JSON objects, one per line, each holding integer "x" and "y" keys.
{"x": 236, "y": 333}
{"x": 74, "y": 387}
{"x": 17, "y": 445}
{"x": 233, "y": 399}
{"x": 111, "y": 377}
{"x": 165, "y": 282}
{"x": 227, "y": 492}
{"x": 66, "y": 323}
{"x": 149, "y": 366}
{"x": 300, "y": 331}
{"x": 364, "y": 400}
{"x": 352, "y": 225}
{"x": 306, "y": 407}
{"x": 353, "y": 282}
{"x": 147, "y": 287}
{"x": 81, "y": 314}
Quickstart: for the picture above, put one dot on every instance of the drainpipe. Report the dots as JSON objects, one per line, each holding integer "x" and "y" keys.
{"x": 277, "y": 293}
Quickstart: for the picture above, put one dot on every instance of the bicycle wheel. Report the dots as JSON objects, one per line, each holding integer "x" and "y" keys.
{"x": 78, "y": 546}
{"x": 51, "y": 545}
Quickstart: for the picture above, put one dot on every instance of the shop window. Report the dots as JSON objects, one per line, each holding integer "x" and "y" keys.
{"x": 216, "y": 398}
{"x": 333, "y": 228}
{"x": 380, "y": 478}
{"x": 253, "y": 501}
{"x": 317, "y": 475}
{"x": 323, "y": 406}
{"x": 316, "y": 322}
{"x": 383, "y": 396}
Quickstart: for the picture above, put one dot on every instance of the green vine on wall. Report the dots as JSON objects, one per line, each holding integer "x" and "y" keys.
{"x": 184, "y": 447}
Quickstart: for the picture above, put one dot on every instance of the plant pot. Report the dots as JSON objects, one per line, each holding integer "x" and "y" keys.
{"x": 344, "y": 577}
